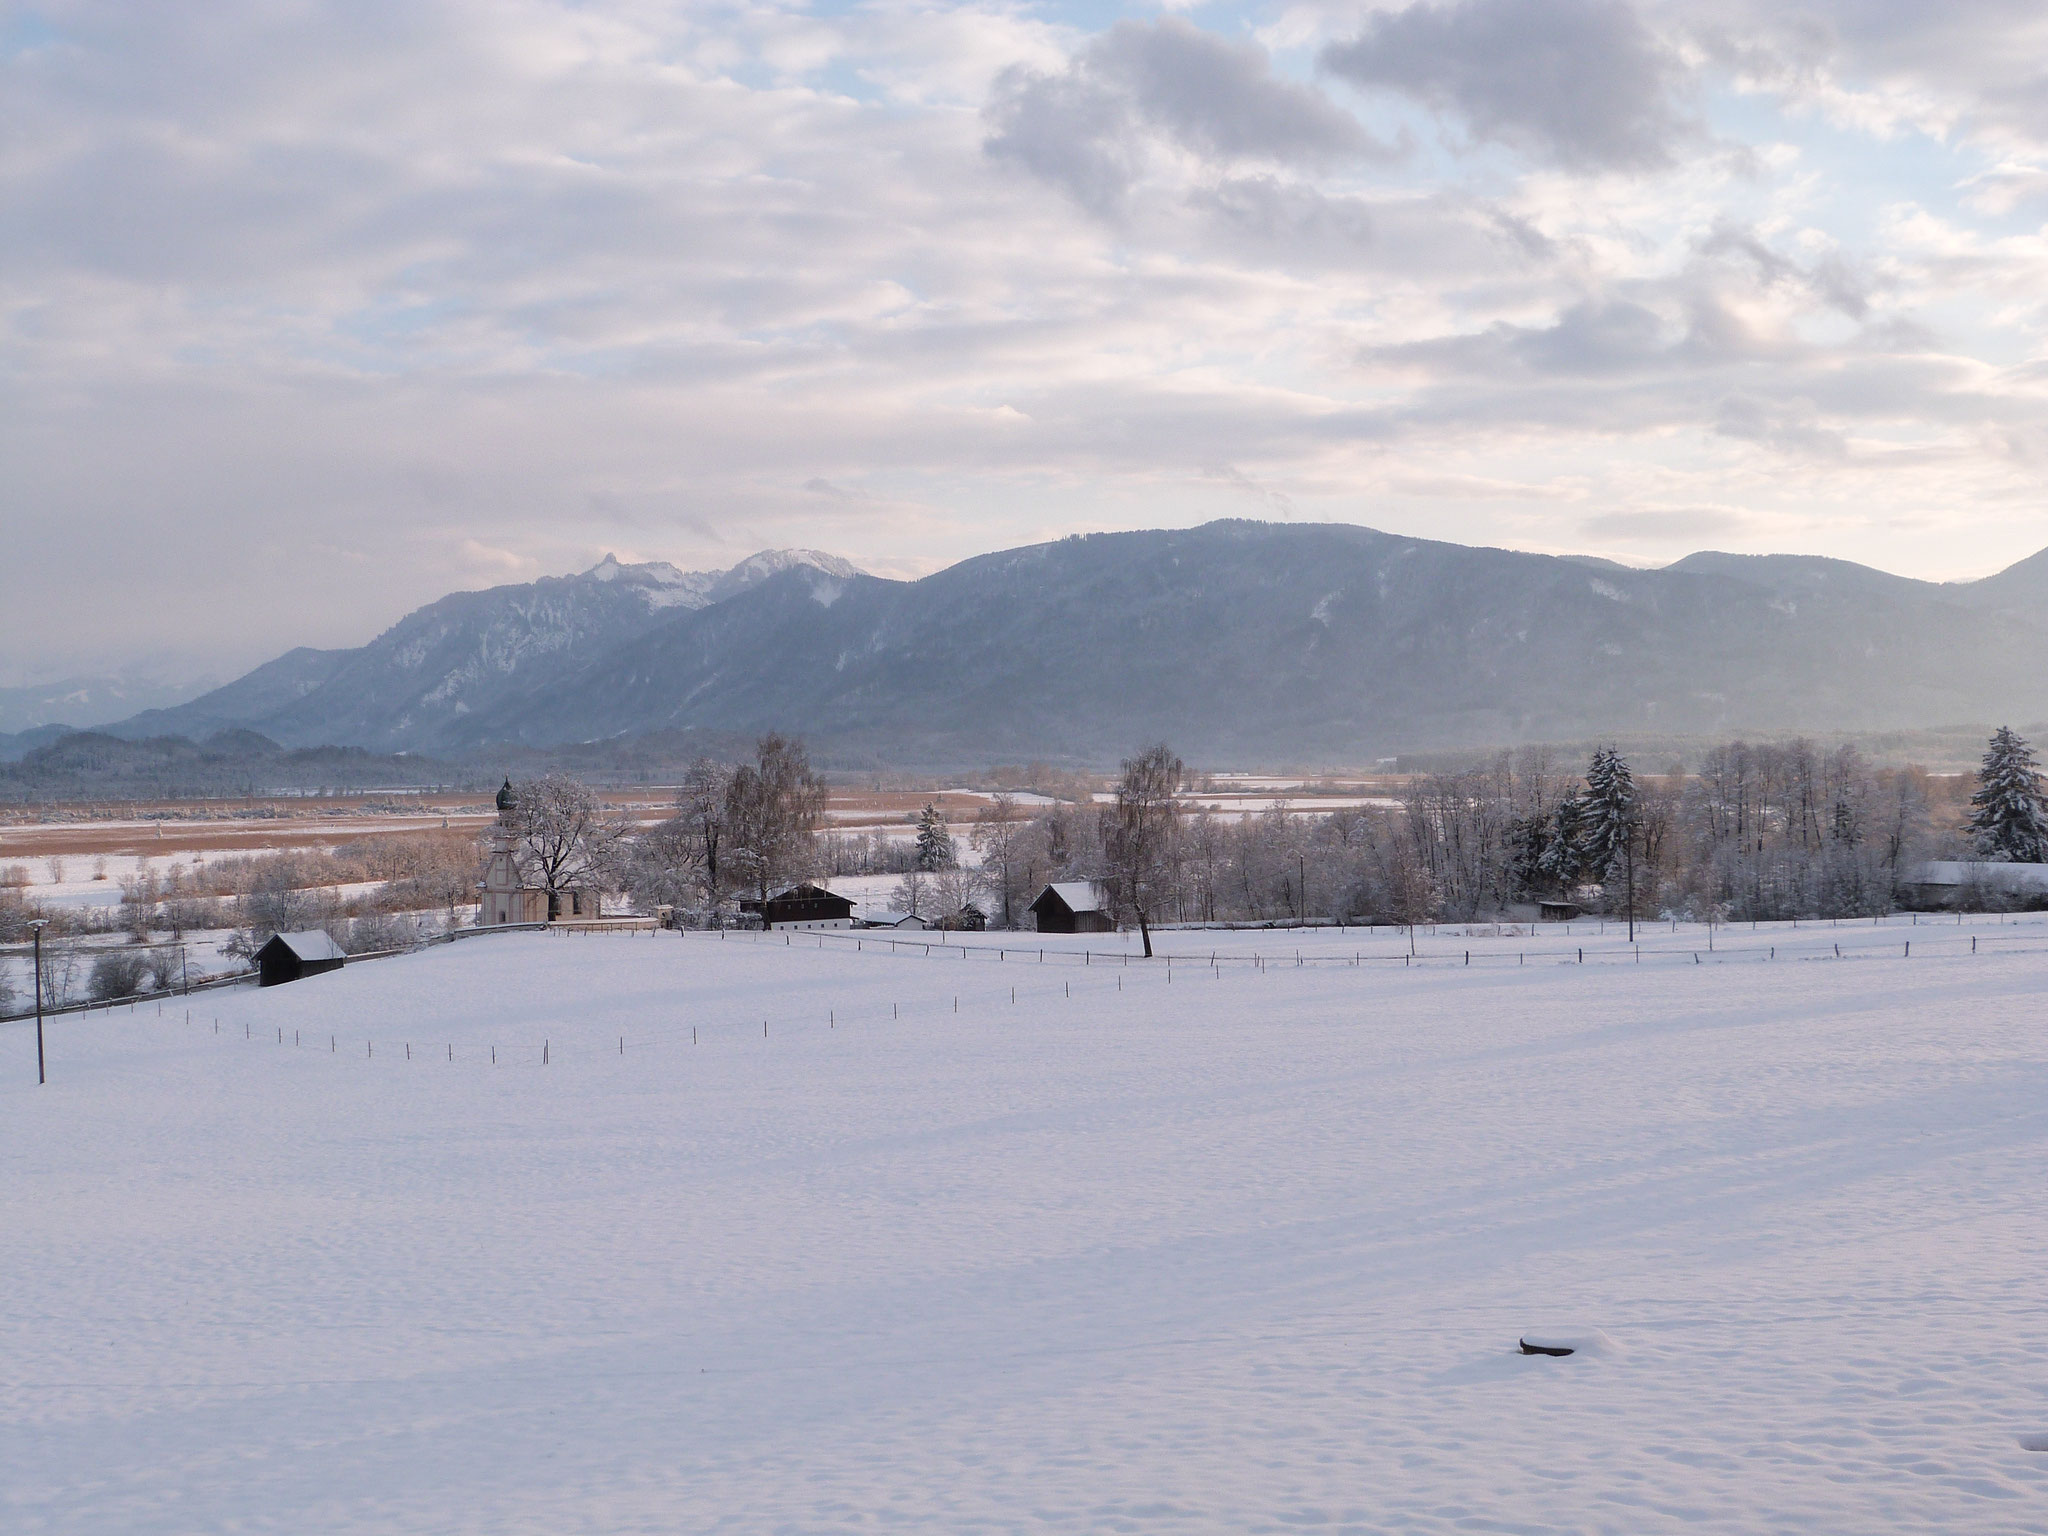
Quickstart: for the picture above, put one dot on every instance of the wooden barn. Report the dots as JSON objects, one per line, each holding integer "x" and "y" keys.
{"x": 289, "y": 956}
{"x": 1073, "y": 906}
{"x": 806, "y": 906}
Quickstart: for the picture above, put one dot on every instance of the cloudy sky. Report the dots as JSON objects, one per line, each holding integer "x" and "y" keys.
{"x": 310, "y": 312}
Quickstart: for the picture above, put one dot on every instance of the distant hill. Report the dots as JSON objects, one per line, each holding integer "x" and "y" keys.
{"x": 1239, "y": 642}
{"x": 94, "y": 764}
{"x": 2020, "y": 588}
{"x": 82, "y": 701}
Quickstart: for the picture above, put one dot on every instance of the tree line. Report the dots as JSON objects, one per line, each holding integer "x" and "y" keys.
{"x": 1759, "y": 831}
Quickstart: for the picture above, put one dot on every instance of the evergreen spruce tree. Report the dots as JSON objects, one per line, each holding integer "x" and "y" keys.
{"x": 934, "y": 842}
{"x": 1528, "y": 843}
{"x": 1610, "y": 813}
{"x": 2008, "y": 822}
{"x": 1610, "y": 825}
{"x": 1563, "y": 858}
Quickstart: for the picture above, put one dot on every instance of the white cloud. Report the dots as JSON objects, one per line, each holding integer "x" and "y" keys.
{"x": 448, "y": 291}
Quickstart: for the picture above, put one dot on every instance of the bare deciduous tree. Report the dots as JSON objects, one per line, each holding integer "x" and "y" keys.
{"x": 953, "y": 891}
{"x": 566, "y": 839}
{"x": 682, "y": 860}
{"x": 773, "y": 805}
{"x": 909, "y": 895}
{"x": 1138, "y": 830}
{"x": 1003, "y": 841}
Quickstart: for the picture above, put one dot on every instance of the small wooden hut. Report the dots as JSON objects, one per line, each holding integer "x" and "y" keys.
{"x": 1073, "y": 906}
{"x": 290, "y": 956}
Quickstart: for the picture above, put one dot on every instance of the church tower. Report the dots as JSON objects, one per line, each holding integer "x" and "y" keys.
{"x": 503, "y": 896}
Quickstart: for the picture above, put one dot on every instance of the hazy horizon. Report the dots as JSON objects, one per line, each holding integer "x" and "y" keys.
{"x": 177, "y": 685}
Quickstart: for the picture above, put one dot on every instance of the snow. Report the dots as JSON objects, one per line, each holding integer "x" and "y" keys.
{"x": 1248, "y": 1250}
{"x": 1017, "y": 796}
{"x": 1318, "y": 805}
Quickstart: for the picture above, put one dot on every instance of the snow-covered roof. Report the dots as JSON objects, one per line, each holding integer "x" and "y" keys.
{"x": 1080, "y": 895}
{"x": 312, "y": 945}
{"x": 2001, "y": 877}
{"x": 885, "y": 917}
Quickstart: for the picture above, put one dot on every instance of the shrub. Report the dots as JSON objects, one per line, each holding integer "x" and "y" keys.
{"x": 380, "y": 930}
{"x": 118, "y": 973}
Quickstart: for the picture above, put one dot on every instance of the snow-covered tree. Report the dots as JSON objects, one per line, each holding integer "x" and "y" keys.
{"x": 1609, "y": 814}
{"x": 910, "y": 894}
{"x": 678, "y": 861}
{"x": 1137, "y": 832}
{"x": 1003, "y": 839}
{"x": 566, "y": 837}
{"x": 1528, "y": 842}
{"x": 772, "y": 809}
{"x": 2007, "y": 821}
{"x": 1563, "y": 858}
{"x": 934, "y": 841}
{"x": 1612, "y": 817}
{"x": 952, "y": 891}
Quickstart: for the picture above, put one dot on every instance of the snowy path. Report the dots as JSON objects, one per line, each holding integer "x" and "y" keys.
{"x": 1245, "y": 1252}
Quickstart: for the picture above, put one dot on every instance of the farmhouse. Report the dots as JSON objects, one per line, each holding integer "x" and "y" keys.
{"x": 290, "y": 956}
{"x": 1073, "y": 906}
{"x": 804, "y": 906}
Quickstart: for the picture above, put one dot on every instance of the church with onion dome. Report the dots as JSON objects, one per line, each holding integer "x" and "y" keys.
{"x": 503, "y": 896}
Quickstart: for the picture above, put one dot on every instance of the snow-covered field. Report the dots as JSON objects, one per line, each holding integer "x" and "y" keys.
{"x": 1245, "y": 1251}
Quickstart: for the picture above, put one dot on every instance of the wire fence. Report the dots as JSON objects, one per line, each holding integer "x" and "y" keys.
{"x": 1021, "y": 985}
{"x": 207, "y": 982}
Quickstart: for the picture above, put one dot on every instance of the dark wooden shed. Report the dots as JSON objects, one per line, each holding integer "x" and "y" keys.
{"x": 289, "y": 956}
{"x": 1072, "y": 906}
{"x": 807, "y": 906}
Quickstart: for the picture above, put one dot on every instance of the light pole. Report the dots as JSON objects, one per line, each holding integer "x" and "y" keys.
{"x": 36, "y": 928}
{"x": 1629, "y": 855}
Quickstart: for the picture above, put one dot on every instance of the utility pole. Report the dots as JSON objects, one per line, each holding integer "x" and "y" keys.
{"x": 1628, "y": 856}
{"x": 1301, "y": 863}
{"x": 36, "y": 928}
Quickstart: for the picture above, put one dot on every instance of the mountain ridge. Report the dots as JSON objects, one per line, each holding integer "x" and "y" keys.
{"x": 1239, "y": 641}
{"x": 458, "y": 654}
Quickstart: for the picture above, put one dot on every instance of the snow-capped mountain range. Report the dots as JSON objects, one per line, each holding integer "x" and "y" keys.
{"x": 1237, "y": 642}
{"x": 664, "y": 586}
{"x": 465, "y": 655}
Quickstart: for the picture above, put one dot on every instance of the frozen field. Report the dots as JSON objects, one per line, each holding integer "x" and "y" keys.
{"x": 1249, "y": 1251}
